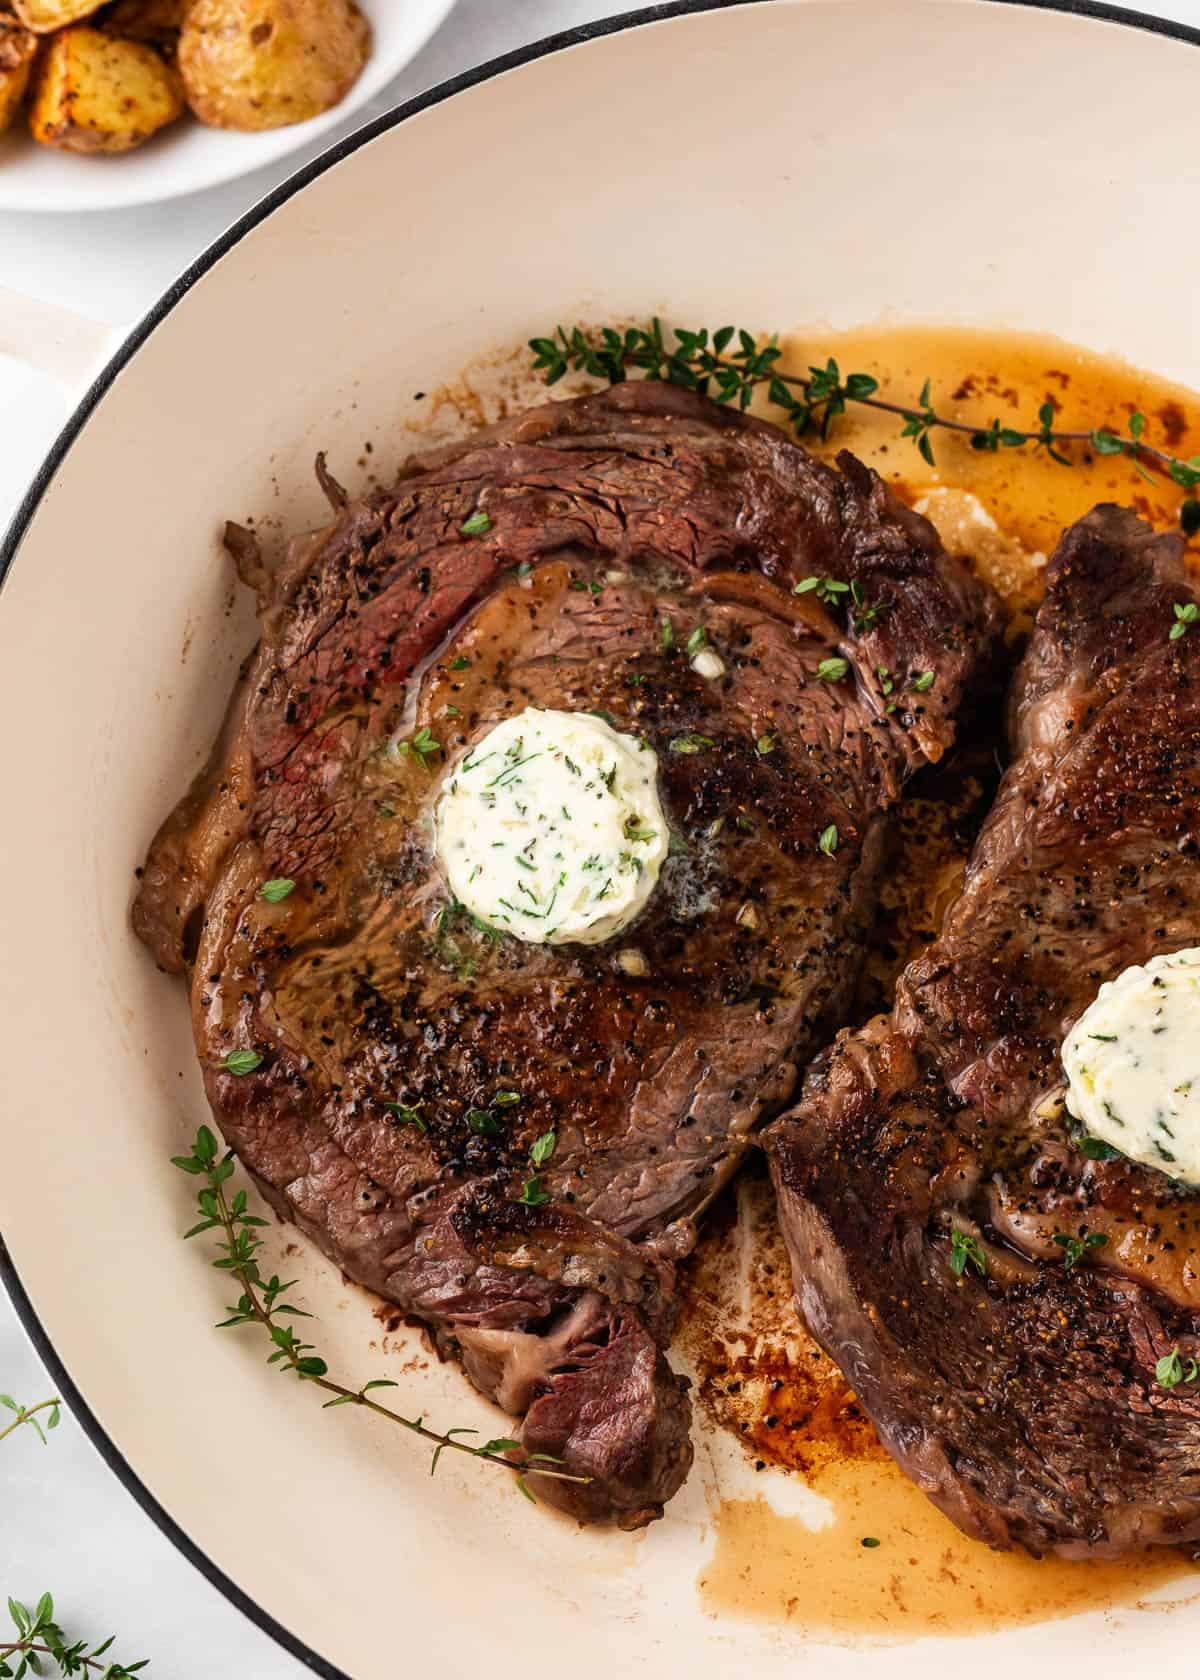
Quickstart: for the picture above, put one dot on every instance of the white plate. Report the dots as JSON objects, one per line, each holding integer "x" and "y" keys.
{"x": 777, "y": 165}
{"x": 188, "y": 156}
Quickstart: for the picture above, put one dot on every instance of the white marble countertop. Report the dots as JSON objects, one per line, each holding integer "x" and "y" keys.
{"x": 66, "y": 1524}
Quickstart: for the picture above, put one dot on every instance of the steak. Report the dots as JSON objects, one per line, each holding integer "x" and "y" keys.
{"x": 1024, "y": 1401}
{"x": 411, "y": 1056}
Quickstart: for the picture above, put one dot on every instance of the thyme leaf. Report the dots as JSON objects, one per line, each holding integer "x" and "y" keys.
{"x": 261, "y": 1304}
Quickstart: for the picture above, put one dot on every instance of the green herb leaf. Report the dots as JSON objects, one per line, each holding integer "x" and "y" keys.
{"x": 765, "y": 745}
{"x": 924, "y": 682}
{"x": 532, "y": 1193}
{"x": 476, "y": 525}
{"x": 697, "y": 639}
{"x": 1168, "y": 1372}
{"x": 1074, "y": 1248}
{"x": 828, "y": 840}
{"x": 543, "y": 1148}
{"x": 406, "y": 1115}
{"x": 966, "y": 1250}
{"x": 690, "y": 744}
{"x": 833, "y": 670}
{"x": 1095, "y": 1149}
{"x": 277, "y": 890}
{"x": 241, "y": 1062}
{"x": 422, "y": 747}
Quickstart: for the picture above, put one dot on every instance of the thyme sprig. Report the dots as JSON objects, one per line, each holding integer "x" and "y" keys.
{"x": 39, "y": 1635}
{"x": 730, "y": 364}
{"x": 29, "y": 1415}
{"x": 261, "y": 1303}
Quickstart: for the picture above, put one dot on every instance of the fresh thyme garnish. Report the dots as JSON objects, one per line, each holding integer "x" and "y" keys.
{"x": 1074, "y": 1248}
{"x": 765, "y": 746}
{"x": 1186, "y": 614}
{"x": 730, "y": 364}
{"x": 886, "y": 681}
{"x": 965, "y": 1251}
{"x": 833, "y": 670}
{"x": 828, "y": 841}
{"x": 422, "y": 747}
{"x": 697, "y": 639}
{"x": 689, "y": 744}
{"x": 826, "y": 589}
{"x": 864, "y": 615}
{"x": 260, "y": 1304}
{"x": 241, "y": 1062}
{"x": 1170, "y": 1370}
{"x": 39, "y": 1635}
{"x": 406, "y": 1115}
{"x": 543, "y": 1148}
{"x": 1094, "y": 1148}
{"x": 666, "y": 635}
{"x": 532, "y": 1193}
{"x": 869, "y": 1541}
{"x": 29, "y": 1415}
{"x": 477, "y": 525}
{"x": 460, "y": 663}
{"x": 484, "y": 1123}
{"x": 277, "y": 890}
{"x": 924, "y": 682}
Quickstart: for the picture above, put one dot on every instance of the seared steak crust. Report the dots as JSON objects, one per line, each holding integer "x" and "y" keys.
{"x": 1024, "y": 1402}
{"x": 651, "y": 1057}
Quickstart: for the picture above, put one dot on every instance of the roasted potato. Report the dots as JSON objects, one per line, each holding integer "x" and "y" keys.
{"x": 157, "y": 22}
{"x": 44, "y": 15}
{"x": 254, "y": 64}
{"x": 92, "y": 93}
{"x": 18, "y": 46}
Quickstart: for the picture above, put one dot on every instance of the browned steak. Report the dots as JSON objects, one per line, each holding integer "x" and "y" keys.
{"x": 1024, "y": 1402}
{"x": 610, "y": 517}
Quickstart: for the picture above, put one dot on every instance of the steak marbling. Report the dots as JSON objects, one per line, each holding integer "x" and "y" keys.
{"x": 607, "y": 517}
{"x": 1025, "y": 1402}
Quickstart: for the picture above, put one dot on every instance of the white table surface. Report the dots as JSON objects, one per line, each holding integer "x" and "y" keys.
{"x": 66, "y": 1524}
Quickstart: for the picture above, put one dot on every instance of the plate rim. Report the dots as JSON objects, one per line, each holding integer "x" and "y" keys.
{"x": 18, "y": 526}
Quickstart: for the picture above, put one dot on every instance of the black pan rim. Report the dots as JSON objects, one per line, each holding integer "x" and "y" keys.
{"x": 23, "y": 518}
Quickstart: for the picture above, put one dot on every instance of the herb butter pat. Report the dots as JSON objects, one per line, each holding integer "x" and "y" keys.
{"x": 550, "y": 828}
{"x": 1132, "y": 1062}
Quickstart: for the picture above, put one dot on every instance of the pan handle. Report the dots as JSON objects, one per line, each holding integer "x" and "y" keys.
{"x": 68, "y": 347}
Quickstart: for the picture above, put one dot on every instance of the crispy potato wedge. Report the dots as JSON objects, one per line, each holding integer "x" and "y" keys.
{"x": 42, "y": 16}
{"x": 94, "y": 94}
{"x": 157, "y": 22}
{"x": 18, "y": 48}
{"x": 255, "y": 64}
